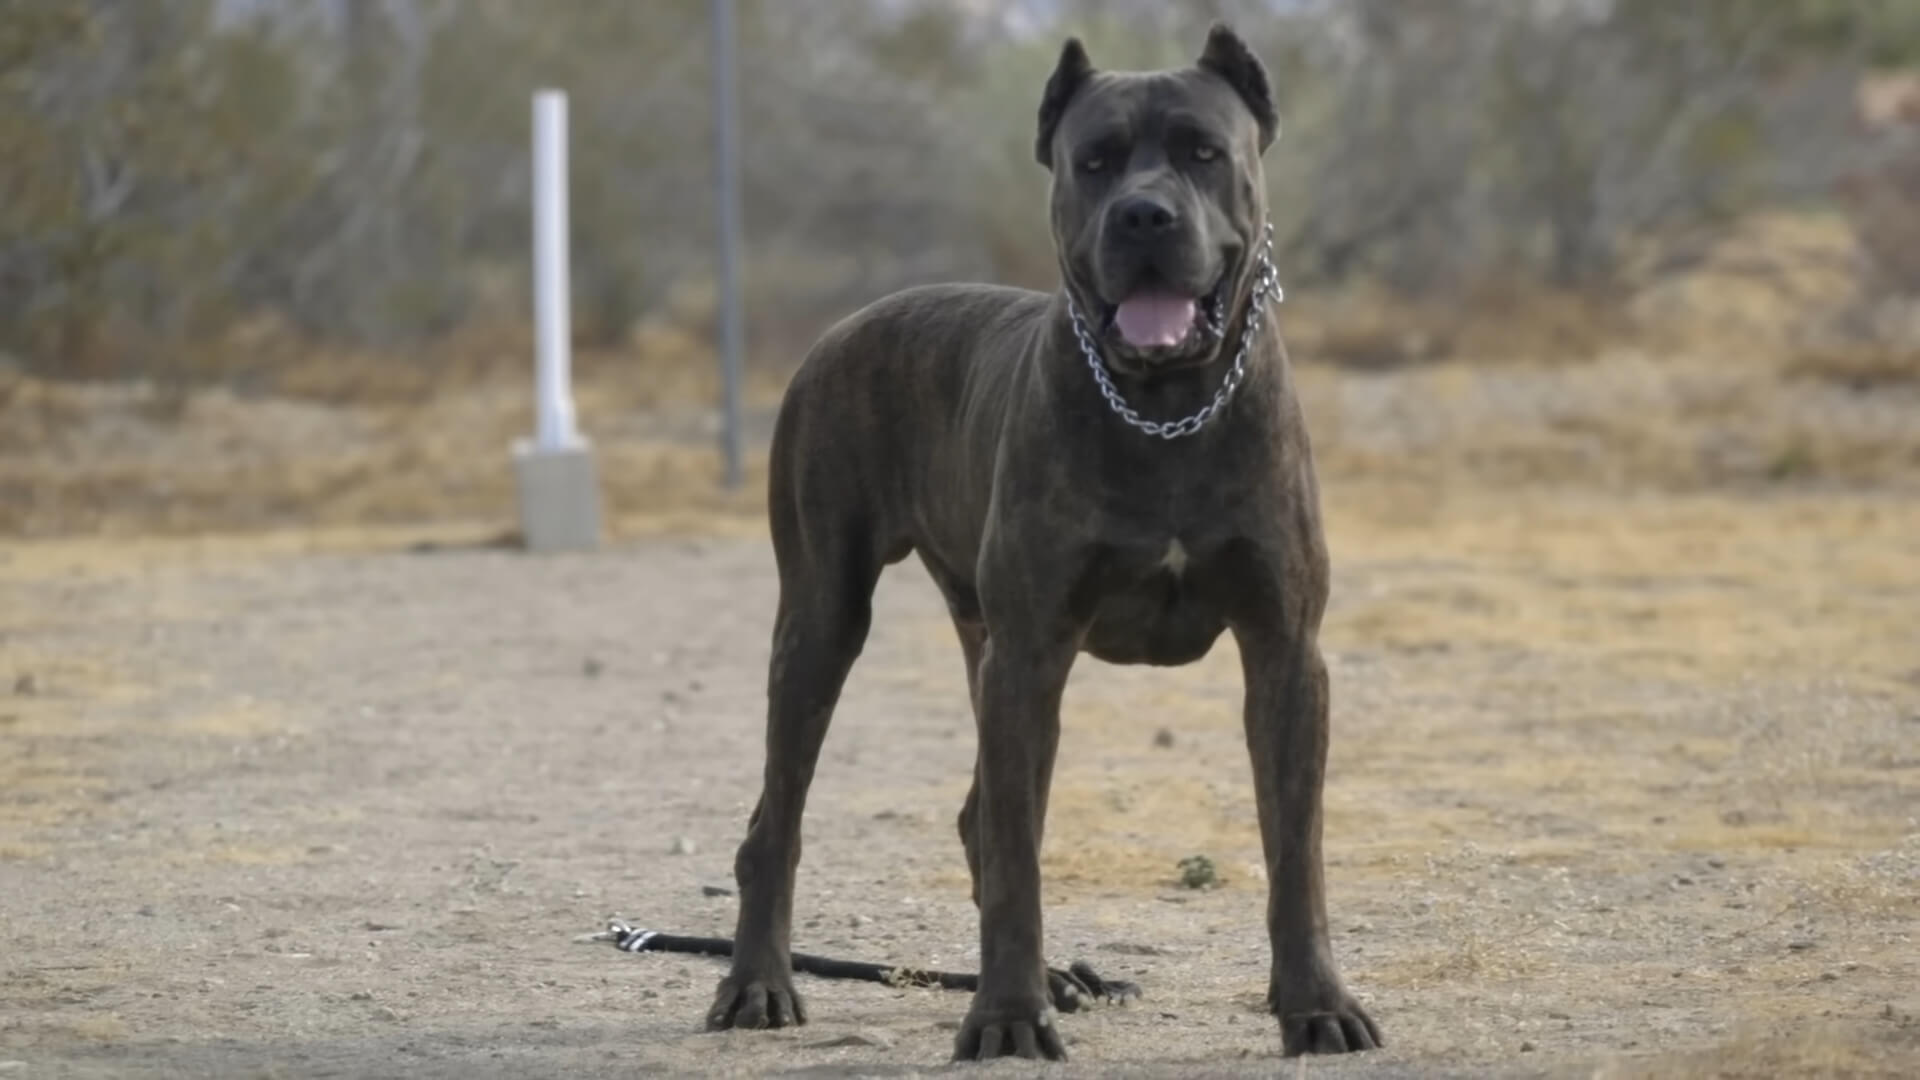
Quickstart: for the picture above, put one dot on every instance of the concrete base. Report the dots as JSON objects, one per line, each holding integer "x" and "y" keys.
{"x": 559, "y": 497}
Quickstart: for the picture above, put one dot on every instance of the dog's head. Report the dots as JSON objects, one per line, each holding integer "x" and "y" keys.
{"x": 1159, "y": 200}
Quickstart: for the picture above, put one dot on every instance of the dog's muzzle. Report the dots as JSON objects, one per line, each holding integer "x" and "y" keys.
{"x": 1266, "y": 286}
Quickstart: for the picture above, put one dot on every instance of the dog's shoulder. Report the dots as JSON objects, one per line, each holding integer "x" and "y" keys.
{"x": 925, "y": 351}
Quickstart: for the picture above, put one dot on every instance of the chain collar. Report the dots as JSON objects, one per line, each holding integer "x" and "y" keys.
{"x": 1266, "y": 282}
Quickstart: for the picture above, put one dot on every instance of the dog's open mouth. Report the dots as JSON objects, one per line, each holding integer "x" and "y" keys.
{"x": 1166, "y": 322}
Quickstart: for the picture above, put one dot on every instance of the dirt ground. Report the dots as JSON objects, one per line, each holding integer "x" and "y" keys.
{"x": 1620, "y": 786}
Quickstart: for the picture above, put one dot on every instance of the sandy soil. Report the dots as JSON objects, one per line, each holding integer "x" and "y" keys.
{"x": 1619, "y": 787}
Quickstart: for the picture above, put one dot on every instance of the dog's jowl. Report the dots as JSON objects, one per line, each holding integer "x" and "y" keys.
{"x": 1119, "y": 467}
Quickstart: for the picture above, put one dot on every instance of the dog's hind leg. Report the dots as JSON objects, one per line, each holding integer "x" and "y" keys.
{"x": 973, "y": 639}
{"x": 829, "y": 563}
{"x": 963, "y": 606}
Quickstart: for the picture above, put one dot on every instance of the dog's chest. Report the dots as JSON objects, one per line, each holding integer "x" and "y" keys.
{"x": 1175, "y": 559}
{"x": 1154, "y": 605}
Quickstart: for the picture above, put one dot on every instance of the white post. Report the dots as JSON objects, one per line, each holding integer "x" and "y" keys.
{"x": 559, "y": 493}
{"x": 551, "y": 291}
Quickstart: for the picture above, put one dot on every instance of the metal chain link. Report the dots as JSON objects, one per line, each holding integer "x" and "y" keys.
{"x": 1265, "y": 281}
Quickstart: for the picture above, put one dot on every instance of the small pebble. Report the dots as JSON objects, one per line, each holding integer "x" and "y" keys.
{"x": 1163, "y": 738}
{"x": 591, "y": 667}
{"x": 857, "y": 921}
{"x": 25, "y": 686}
{"x": 386, "y": 1012}
{"x": 715, "y": 890}
{"x": 1526, "y": 1048}
{"x": 682, "y": 845}
{"x": 1800, "y": 945}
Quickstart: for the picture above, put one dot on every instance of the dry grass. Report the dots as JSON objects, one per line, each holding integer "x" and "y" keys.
{"x": 1627, "y": 421}
{"x": 1862, "y": 368}
{"x": 1714, "y": 367}
{"x": 107, "y": 460}
{"x": 1755, "y": 291}
{"x": 1507, "y": 323}
{"x": 1757, "y": 288}
{"x": 121, "y": 460}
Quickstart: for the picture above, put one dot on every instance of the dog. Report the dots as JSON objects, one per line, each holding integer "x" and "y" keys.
{"x": 1119, "y": 467}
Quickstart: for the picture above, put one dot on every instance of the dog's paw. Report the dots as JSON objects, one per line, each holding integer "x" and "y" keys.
{"x": 1027, "y": 1031}
{"x": 752, "y": 1001}
{"x": 1338, "y": 1026}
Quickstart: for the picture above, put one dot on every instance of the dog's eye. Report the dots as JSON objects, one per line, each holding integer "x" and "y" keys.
{"x": 1092, "y": 164}
{"x": 1203, "y": 152}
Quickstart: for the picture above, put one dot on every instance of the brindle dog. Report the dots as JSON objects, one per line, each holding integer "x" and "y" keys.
{"x": 1119, "y": 467}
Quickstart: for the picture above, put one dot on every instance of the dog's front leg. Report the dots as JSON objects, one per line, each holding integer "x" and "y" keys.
{"x": 1286, "y": 722}
{"x": 1022, "y": 674}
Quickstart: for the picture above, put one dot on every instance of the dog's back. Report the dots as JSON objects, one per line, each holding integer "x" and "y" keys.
{"x": 853, "y": 436}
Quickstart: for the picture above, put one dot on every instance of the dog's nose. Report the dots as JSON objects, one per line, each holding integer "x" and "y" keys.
{"x": 1143, "y": 215}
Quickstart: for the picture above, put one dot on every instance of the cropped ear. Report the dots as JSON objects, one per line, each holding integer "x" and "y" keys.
{"x": 1072, "y": 72}
{"x": 1228, "y": 57}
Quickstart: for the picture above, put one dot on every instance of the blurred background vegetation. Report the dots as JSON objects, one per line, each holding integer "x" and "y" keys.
{"x": 238, "y": 206}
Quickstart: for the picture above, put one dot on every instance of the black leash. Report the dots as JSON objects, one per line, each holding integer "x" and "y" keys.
{"x": 1069, "y": 987}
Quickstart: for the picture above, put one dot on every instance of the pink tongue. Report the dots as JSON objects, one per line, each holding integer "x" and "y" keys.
{"x": 1151, "y": 319}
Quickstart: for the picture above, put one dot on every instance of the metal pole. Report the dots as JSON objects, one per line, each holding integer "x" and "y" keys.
{"x": 726, "y": 158}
